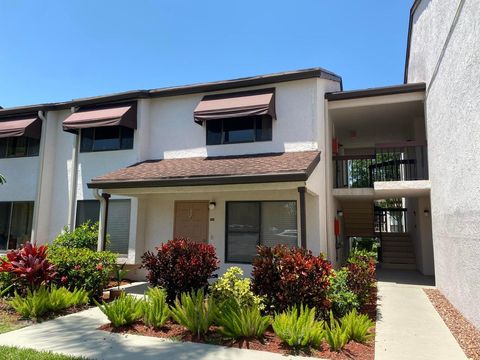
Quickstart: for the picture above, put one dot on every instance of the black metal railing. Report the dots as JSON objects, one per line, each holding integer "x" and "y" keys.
{"x": 398, "y": 163}
{"x": 390, "y": 220}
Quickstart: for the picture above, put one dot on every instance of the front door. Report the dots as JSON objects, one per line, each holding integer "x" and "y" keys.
{"x": 191, "y": 220}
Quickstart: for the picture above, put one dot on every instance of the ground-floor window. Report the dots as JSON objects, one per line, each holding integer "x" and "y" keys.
{"x": 253, "y": 223}
{"x": 118, "y": 222}
{"x": 15, "y": 223}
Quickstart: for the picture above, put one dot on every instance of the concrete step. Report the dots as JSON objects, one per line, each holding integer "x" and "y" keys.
{"x": 398, "y": 254}
{"x": 398, "y": 260}
{"x": 384, "y": 265}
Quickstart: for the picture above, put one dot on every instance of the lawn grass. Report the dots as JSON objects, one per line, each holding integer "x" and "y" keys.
{"x": 13, "y": 353}
{"x": 9, "y": 321}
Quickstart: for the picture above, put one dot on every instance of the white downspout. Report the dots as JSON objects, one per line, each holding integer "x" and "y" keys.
{"x": 41, "y": 156}
{"x": 73, "y": 179}
{"x": 101, "y": 219}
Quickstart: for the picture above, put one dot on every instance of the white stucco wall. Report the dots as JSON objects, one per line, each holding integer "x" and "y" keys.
{"x": 453, "y": 133}
{"x": 174, "y": 134}
{"x": 158, "y": 218}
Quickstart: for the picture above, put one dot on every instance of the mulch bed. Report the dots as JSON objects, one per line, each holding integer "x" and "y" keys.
{"x": 467, "y": 335}
{"x": 270, "y": 342}
{"x": 114, "y": 283}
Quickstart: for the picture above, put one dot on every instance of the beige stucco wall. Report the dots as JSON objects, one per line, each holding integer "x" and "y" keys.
{"x": 453, "y": 133}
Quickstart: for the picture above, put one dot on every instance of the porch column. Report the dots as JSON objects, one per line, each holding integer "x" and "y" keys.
{"x": 102, "y": 219}
{"x": 303, "y": 218}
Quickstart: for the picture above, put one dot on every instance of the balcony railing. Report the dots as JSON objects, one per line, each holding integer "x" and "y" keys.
{"x": 388, "y": 163}
{"x": 390, "y": 220}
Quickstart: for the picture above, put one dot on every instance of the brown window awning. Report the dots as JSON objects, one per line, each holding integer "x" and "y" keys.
{"x": 120, "y": 115}
{"x": 235, "y": 105}
{"x": 29, "y": 127}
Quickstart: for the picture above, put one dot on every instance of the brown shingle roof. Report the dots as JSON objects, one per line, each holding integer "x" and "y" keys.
{"x": 257, "y": 168}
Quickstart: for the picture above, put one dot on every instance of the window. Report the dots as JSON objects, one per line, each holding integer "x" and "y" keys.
{"x": 251, "y": 223}
{"x": 118, "y": 222}
{"x": 238, "y": 130}
{"x": 106, "y": 138}
{"x": 15, "y": 224}
{"x": 20, "y": 146}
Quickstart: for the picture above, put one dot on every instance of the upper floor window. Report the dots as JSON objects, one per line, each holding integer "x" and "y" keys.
{"x": 239, "y": 130}
{"x": 106, "y": 138}
{"x": 20, "y": 146}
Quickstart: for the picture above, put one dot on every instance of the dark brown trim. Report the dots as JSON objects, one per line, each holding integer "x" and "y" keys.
{"x": 180, "y": 90}
{"x": 409, "y": 38}
{"x": 303, "y": 217}
{"x": 352, "y": 157}
{"x": 106, "y": 196}
{"x": 199, "y": 181}
{"x": 380, "y": 91}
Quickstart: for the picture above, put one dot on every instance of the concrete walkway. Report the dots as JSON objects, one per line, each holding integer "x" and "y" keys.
{"x": 408, "y": 326}
{"x": 77, "y": 335}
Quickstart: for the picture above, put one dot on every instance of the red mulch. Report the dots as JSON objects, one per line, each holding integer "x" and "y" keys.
{"x": 467, "y": 335}
{"x": 269, "y": 343}
{"x": 114, "y": 283}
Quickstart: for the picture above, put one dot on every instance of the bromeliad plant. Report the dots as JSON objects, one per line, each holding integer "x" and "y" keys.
{"x": 123, "y": 311}
{"x": 29, "y": 267}
{"x": 195, "y": 312}
{"x": 298, "y": 328}
{"x": 155, "y": 308}
{"x": 241, "y": 321}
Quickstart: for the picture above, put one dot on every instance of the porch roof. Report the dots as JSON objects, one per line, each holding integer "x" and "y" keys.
{"x": 239, "y": 169}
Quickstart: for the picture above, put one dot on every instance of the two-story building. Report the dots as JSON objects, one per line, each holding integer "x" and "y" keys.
{"x": 284, "y": 158}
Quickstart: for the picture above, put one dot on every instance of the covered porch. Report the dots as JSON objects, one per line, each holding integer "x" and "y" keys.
{"x": 234, "y": 203}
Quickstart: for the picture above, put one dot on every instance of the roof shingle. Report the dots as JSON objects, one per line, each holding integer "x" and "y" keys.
{"x": 271, "y": 167}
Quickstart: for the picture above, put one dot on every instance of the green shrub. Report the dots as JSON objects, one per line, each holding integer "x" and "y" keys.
{"x": 361, "y": 277}
{"x": 84, "y": 236}
{"x": 298, "y": 328}
{"x": 357, "y": 326}
{"x": 123, "y": 311}
{"x": 343, "y": 300}
{"x": 335, "y": 335}
{"x": 82, "y": 268}
{"x": 194, "y": 312}
{"x": 155, "y": 308}
{"x": 241, "y": 321}
{"x": 44, "y": 300}
{"x": 6, "y": 284}
{"x": 231, "y": 285}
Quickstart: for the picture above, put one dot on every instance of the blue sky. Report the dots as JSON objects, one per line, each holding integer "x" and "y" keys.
{"x": 59, "y": 50}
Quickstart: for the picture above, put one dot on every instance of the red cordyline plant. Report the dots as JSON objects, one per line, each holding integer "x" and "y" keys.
{"x": 291, "y": 276}
{"x": 180, "y": 265}
{"x": 29, "y": 266}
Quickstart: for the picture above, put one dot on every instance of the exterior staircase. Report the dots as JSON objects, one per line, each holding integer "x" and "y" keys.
{"x": 397, "y": 251}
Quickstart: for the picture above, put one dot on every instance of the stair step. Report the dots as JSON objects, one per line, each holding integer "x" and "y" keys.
{"x": 384, "y": 265}
{"x": 398, "y": 260}
{"x": 398, "y": 254}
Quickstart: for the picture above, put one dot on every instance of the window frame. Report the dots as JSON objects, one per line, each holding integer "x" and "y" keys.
{"x": 28, "y": 144}
{"x": 254, "y": 129}
{"x": 121, "y": 130}
{"x": 227, "y": 261}
{"x": 10, "y": 218}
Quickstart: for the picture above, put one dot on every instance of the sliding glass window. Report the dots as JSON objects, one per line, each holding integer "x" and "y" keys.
{"x": 15, "y": 224}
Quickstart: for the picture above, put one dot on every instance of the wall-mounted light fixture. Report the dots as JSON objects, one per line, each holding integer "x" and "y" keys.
{"x": 426, "y": 212}
{"x": 212, "y": 205}
{"x": 340, "y": 213}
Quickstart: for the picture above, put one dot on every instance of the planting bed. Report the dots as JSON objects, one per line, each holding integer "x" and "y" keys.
{"x": 465, "y": 333}
{"x": 9, "y": 319}
{"x": 270, "y": 343}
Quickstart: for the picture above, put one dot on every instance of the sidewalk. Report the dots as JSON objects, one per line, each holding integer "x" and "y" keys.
{"x": 76, "y": 334}
{"x": 408, "y": 326}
